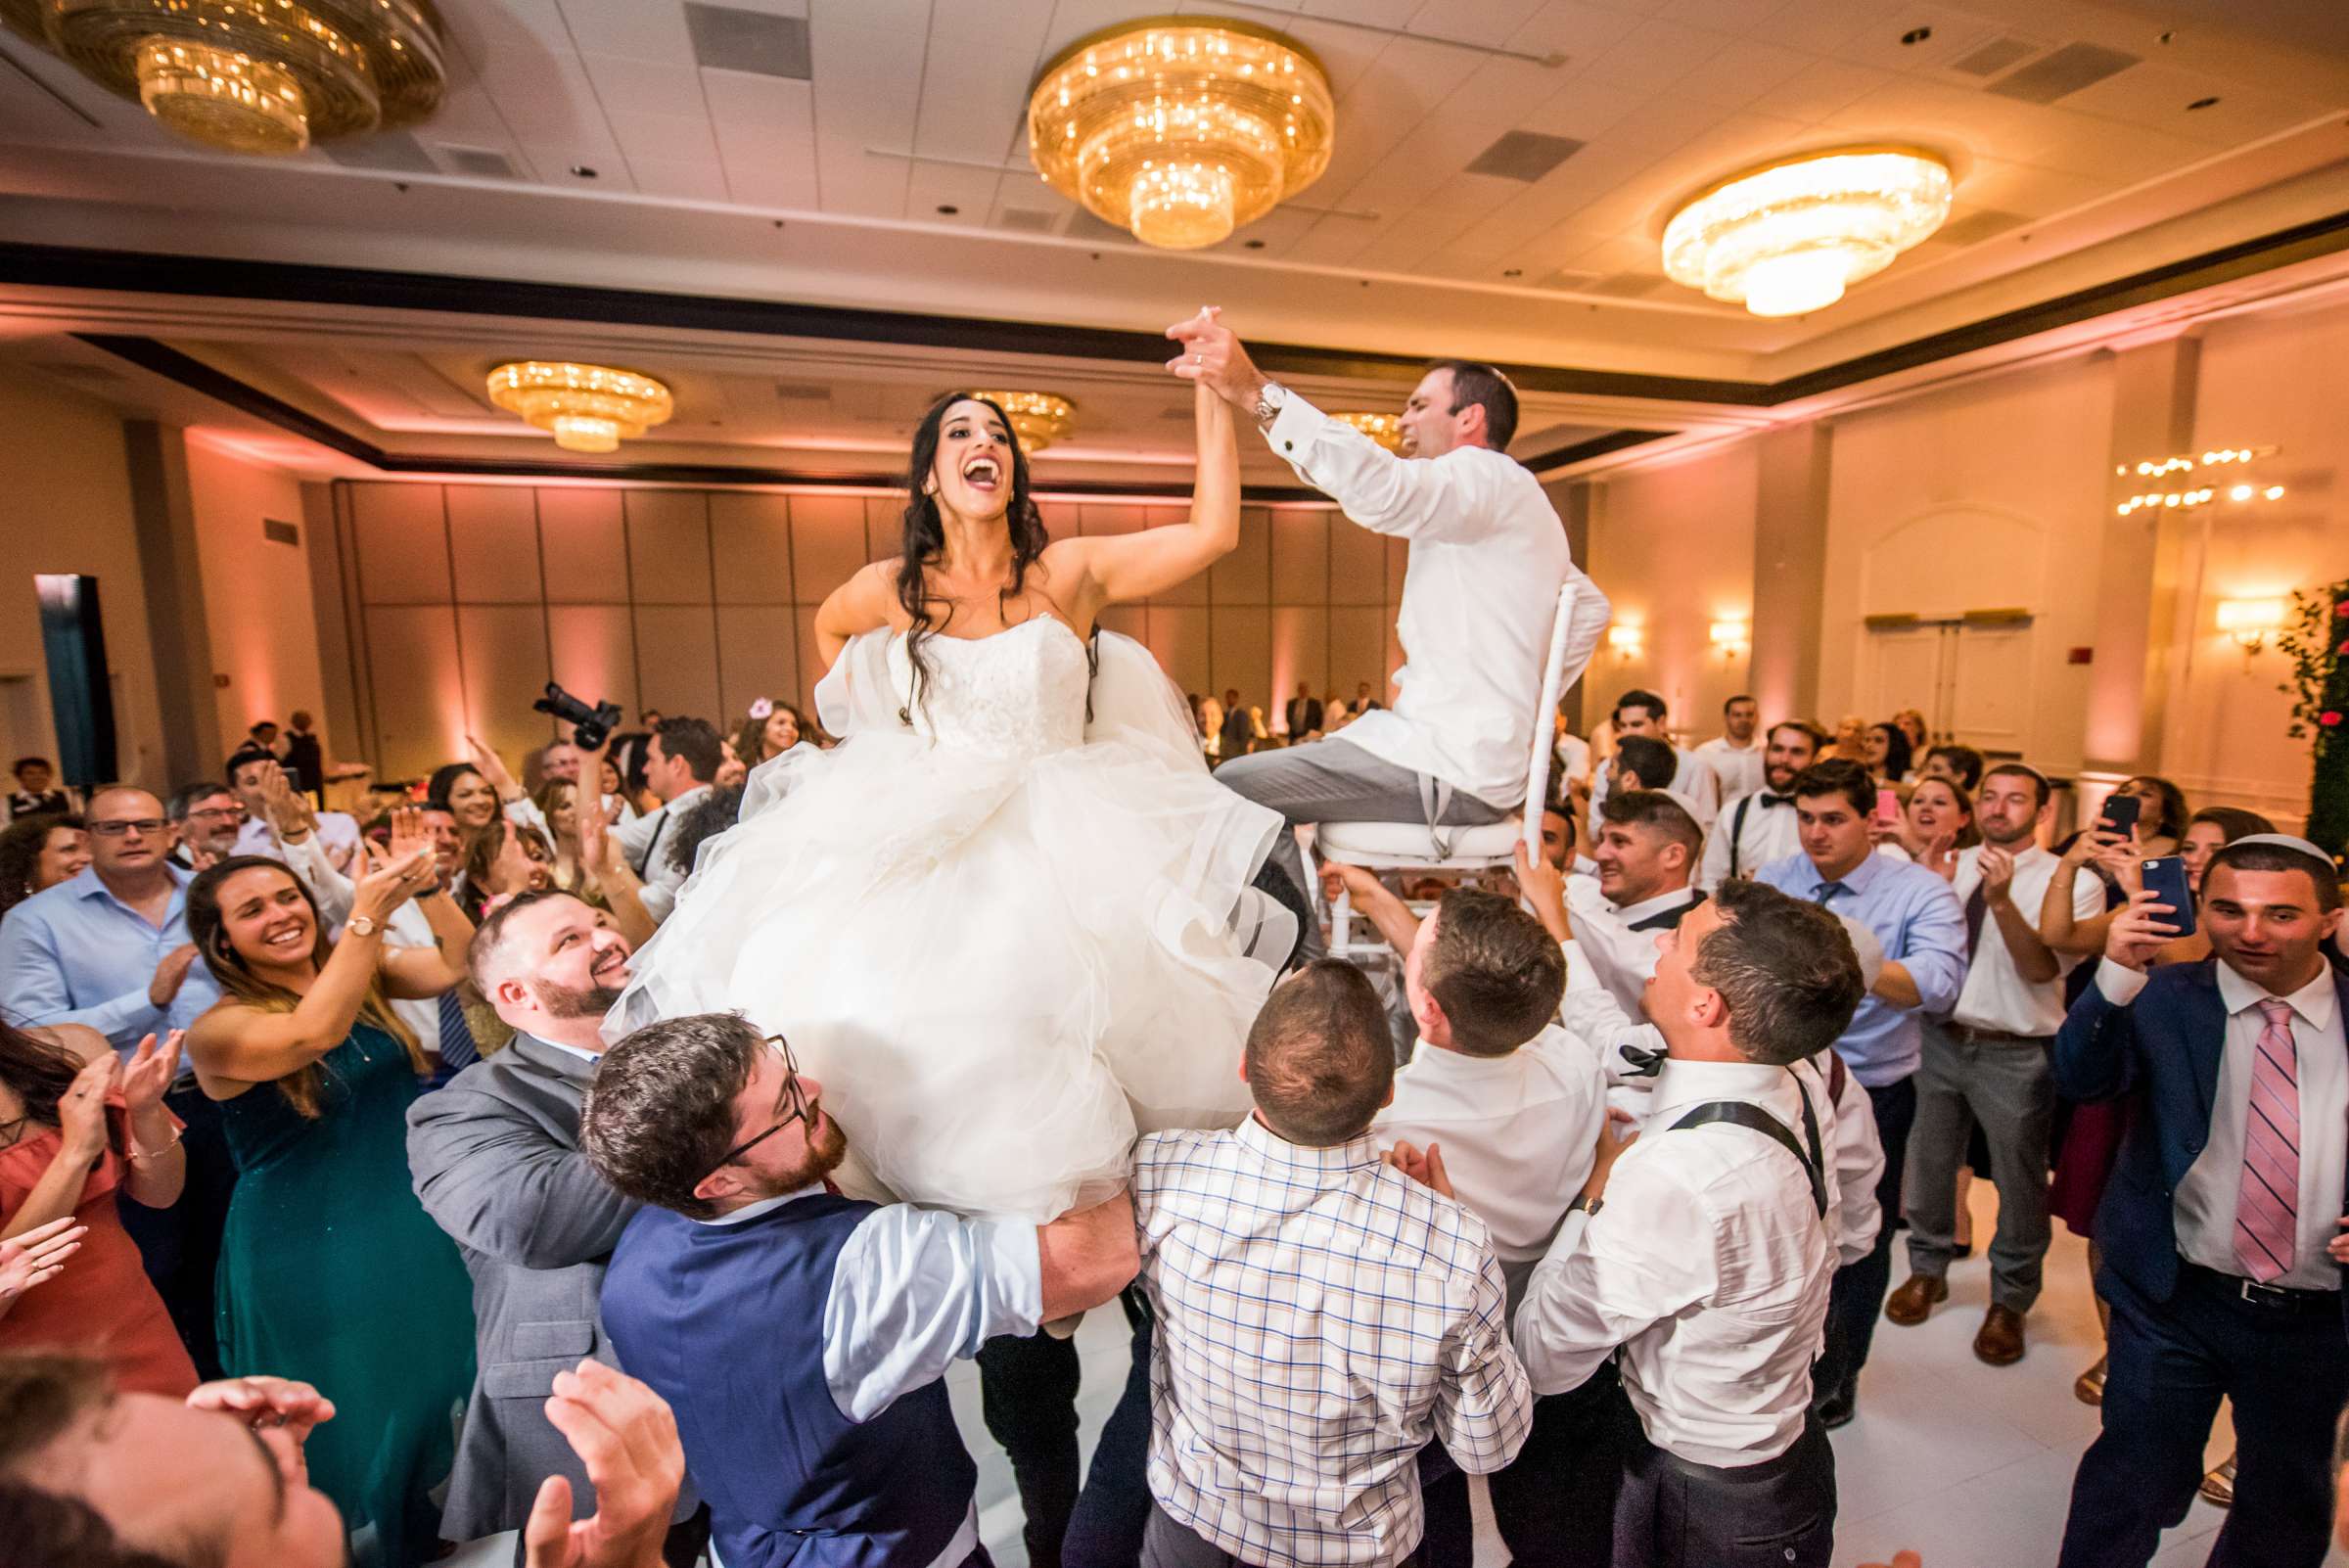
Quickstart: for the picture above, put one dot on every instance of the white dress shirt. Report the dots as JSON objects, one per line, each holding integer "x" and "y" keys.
{"x": 1996, "y": 996}
{"x": 1708, "y": 1262}
{"x": 1769, "y": 832}
{"x": 1516, "y": 1130}
{"x": 338, "y": 829}
{"x": 1737, "y": 769}
{"x": 1620, "y": 958}
{"x": 1322, "y": 1318}
{"x": 645, "y": 843}
{"x": 2207, "y": 1195}
{"x": 1488, "y": 559}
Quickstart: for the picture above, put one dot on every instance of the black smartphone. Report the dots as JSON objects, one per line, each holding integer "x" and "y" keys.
{"x": 2119, "y": 813}
{"x": 2165, "y": 879}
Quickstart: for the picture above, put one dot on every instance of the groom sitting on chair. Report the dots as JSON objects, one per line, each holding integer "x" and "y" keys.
{"x": 802, "y": 1337}
{"x": 1489, "y": 556}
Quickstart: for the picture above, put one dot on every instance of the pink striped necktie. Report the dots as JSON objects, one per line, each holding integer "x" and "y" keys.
{"x": 2266, "y": 1208}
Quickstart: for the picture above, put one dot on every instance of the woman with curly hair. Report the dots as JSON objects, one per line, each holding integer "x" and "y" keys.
{"x": 38, "y": 852}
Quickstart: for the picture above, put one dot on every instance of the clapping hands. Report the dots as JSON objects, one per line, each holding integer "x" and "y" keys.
{"x": 627, "y": 1439}
{"x": 35, "y": 1256}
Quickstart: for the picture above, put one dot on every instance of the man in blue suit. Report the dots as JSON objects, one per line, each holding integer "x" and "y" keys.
{"x": 2222, "y": 1224}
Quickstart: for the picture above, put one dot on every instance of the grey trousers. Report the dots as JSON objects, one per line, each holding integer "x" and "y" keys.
{"x": 2007, "y": 1083}
{"x": 1337, "y": 781}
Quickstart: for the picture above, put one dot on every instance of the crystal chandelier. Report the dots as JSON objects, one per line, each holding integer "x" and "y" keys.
{"x": 1038, "y": 418}
{"x": 589, "y": 407}
{"x": 1790, "y": 238}
{"x": 1384, "y": 429}
{"x": 1182, "y": 128}
{"x": 252, "y": 75}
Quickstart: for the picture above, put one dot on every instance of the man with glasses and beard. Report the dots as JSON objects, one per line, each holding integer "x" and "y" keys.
{"x": 802, "y": 1337}
{"x": 496, "y": 1162}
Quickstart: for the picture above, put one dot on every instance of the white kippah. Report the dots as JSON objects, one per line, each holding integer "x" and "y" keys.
{"x": 2284, "y": 841}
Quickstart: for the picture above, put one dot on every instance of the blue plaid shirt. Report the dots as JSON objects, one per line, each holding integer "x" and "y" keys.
{"x": 1322, "y": 1318}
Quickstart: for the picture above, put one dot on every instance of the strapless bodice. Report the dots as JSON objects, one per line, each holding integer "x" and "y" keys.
{"x": 1020, "y": 692}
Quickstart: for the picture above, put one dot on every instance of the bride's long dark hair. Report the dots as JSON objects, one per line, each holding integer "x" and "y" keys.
{"x": 925, "y": 535}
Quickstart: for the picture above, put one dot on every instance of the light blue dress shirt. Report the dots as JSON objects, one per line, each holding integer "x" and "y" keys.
{"x": 1921, "y": 925}
{"x": 76, "y": 955}
{"x": 914, "y": 1291}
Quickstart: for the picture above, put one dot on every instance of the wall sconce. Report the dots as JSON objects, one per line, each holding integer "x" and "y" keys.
{"x": 1626, "y": 641}
{"x": 2250, "y": 622}
{"x": 1731, "y": 637}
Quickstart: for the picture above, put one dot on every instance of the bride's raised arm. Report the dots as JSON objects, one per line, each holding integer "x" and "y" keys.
{"x": 1134, "y": 566}
{"x": 857, "y": 606}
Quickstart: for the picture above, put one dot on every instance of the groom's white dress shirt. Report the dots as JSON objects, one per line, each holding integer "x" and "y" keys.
{"x": 1488, "y": 559}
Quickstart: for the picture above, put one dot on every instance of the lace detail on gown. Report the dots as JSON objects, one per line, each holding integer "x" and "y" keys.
{"x": 1014, "y": 694}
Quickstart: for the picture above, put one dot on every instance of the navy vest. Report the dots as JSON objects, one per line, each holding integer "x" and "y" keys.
{"x": 726, "y": 1323}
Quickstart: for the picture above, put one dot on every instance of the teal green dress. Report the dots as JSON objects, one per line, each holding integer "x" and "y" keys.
{"x": 332, "y": 1272}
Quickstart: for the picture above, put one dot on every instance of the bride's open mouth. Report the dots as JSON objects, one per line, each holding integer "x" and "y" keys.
{"x": 982, "y": 474}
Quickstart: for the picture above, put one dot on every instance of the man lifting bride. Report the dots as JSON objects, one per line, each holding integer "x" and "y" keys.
{"x": 1009, "y": 921}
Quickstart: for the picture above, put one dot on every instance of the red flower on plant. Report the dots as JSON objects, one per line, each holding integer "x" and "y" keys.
{"x": 2342, "y": 608}
{"x": 2328, "y": 719}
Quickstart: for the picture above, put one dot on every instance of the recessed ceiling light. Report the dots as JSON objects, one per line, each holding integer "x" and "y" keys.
{"x": 1513, "y": 272}
{"x": 1916, "y": 36}
{"x": 2201, "y": 103}
{"x": 582, "y": 171}
{"x": 948, "y": 209}
{"x": 1253, "y": 244}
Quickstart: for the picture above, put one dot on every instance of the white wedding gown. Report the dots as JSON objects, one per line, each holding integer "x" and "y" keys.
{"x": 997, "y": 934}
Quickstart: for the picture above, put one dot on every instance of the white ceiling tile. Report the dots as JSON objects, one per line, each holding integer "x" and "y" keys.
{"x": 634, "y": 28}
{"x": 1488, "y": 22}
{"x": 1829, "y": 27}
{"x": 2036, "y": 193}
{"x": 666, "y": 136}
{"x": 973, "y": 96}
{"x": 971, "y": 191}
{"x": 765, "y": 137}
{"x": 1725, "y": 16}
{"x": 1955, "y": 34}
{"x": 2108, "y": 150}
{"x": 773, "y": 7}
{"x": 1371, "y": 13}
{"x": 1573, "y": 28}
{"x": 1742, "y": 71}
{"x": 2155, "y": 96}
{"x": 863, "y": 113}
{"x": 748, "y": 98}
{"x": 1656, "y": 55}
{"x": 1819, "y": 90}
{"x": 553, "y": 163}
{"x": 626, "y": 86}
{"x": 1584, "y": 109}
{"x": 697, "y": 179}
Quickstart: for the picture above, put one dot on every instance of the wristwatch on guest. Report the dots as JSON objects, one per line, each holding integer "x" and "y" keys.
{"x": 361, "y": 926}
{"x": 1270, "y": 398}
{"x": 1584, "y": 1203}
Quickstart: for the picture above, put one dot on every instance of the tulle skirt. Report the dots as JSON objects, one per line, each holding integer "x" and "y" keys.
{"x": 998, "y": 969}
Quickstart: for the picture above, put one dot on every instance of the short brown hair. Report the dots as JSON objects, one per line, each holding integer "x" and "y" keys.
{"x": 51, "y": 1530}
{"x": 1659, "y": 813}
{"x": 659, "y": 1112}
{"x": 1494, "y": 970}
{"x": 2243, "y": 856}
{"x": 491, "y": 933}
{"x": 1837, "y": 776}
{"x": 1786, "y": 969}
{"x": 1810, "y": 732}
{"x": 1320, "y": 1058}
{"x": 41, "y": 1396}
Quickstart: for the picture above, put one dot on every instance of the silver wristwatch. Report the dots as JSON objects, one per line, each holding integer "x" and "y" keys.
{"x": 1269, "y": 400}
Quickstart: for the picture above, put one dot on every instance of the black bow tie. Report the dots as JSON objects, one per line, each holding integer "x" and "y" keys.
{"x": 1768, "y": 799}
{"x": 1640, "y": 1063}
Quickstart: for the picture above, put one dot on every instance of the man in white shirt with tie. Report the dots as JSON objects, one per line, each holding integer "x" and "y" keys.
{"x": 1734, "y": 755}
{"x": 1759, "y": 826}
{"x": 1488, "y": 559}
{"x": 1703, "y": 1249}
{"x": 680, "y": 762}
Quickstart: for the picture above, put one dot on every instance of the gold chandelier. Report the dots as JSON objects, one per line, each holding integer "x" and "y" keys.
{"x": 252, "y": 75}
{"x": 1384, "y": 429}
{"x": 1791, "y": 237}
{"x": 1182, "y": 128}
{"x": 589, "y": 407}
{"x": 1038, "y": 418}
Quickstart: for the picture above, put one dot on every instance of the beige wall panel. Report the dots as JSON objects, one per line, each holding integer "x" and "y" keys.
{"x": 1192, "y": 591}
{"x": 1245, "y": 576}
{"x": 1240, "y": 653}
{"x": 493, "y": 538}
{"x": 884, "y": 530}
{"x": 668, "y": 546}
{"x": 1130, "y": 620}
{"x": 418, "y": 697}
{"x": 594, "y": 654}
{"x": 504, "y": 649}
{"x": 1357, "y": 650}
{"x": 676, "y": 660}
{"x": 806, "y": 661}
{"x": 1300, "y": 652}
{"x": 583, "y": 545}
{"x": 827, "y": 543}
{"x": 750, "y": 541}
{"x": 1063, "y": 520}
{"x": 1109, "y": 518}
{"x": 1299, "y": 557}
{"x": 1364, "y": 568}
{"x": 403, "y": 543}
{"x": 1178, "y": 638}
{"x": 758, "y": 656}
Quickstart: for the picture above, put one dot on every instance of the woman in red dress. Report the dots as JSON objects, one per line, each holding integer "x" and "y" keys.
{"x": 78, "y": 1125}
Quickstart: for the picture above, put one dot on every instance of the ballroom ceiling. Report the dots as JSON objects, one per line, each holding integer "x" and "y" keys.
{"x": 869, "y": 156}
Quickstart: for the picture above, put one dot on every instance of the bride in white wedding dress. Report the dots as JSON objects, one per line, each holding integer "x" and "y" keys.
{"x": 996, "y": 922}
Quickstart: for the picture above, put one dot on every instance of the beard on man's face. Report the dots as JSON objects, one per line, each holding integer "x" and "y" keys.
{"x": 825, "y": 1150}
{"x": 574, "y": 1002}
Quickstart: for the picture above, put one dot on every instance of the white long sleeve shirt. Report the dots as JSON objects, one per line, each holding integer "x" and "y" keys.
{"x": 1488, "y": 560}
{"x": 1764, "y": 829}
{"x": 1708, "y": 1262}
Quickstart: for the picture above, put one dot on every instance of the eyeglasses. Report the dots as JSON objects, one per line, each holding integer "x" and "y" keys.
{"x": 790, "y": 1106}
{"x": 145, "y": 825}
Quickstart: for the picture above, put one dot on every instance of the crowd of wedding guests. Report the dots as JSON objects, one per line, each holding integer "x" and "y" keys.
{"x": 307, "y": 1127}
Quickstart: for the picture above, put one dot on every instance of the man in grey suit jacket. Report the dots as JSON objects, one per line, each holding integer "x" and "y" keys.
{"x": 495, "y": 1158}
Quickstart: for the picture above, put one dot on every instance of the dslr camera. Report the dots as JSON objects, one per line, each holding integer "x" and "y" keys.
{"x": 588, "y": 726}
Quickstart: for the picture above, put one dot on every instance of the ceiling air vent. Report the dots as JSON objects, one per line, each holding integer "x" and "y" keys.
{"x": 1524, "y": 155}
{"x": 2063, "y": 73}
{"x": 727, "y": 38}
{"x": 803, "y": 392}
{"x": 482, "y": 163}
{"x": 1027, "y": 221}
{"x": 389, "y": 151}
{"x": 277, "y": 532}
{"x": 1568, "y": 281}
{"x": 1975, "y": 227}
{"x": 1994, "y": 56}
{"x": 1627, "y": 284}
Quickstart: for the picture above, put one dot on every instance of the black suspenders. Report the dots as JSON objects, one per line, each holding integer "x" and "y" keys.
{"x": 1745, "y": 803}
{"x": 1753, "y": 1117}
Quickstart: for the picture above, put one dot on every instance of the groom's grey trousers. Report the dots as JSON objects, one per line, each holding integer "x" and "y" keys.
{"x": 1337, "y": 781}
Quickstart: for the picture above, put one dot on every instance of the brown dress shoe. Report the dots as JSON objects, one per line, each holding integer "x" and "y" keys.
{"x": 2000, "y": 1341}
{"x": 1910, "y": 1305}
{"x": 2088, "y": 1387}
{"x": 2219, "y": 1486}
